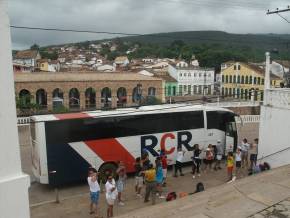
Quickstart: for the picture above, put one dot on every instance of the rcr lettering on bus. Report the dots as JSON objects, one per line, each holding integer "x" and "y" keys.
{"x": 182, "y": 138}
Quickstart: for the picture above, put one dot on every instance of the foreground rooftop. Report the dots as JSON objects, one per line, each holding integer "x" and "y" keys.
{"x": 249, "y": 197}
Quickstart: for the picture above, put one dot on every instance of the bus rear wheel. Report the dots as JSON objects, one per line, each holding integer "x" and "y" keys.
{"x": 106, "y": 170}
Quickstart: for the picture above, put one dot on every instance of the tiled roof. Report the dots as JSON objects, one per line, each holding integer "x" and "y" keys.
{"x": 284, "y": 63}
{"x": 26, "y": 54}
{"x": 80, "y": 76}
{"x": 167, "y": 78}
{"x": 121, "y": 58}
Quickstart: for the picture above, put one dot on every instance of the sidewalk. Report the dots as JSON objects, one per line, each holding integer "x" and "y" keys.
{"x": 254, "y": 196}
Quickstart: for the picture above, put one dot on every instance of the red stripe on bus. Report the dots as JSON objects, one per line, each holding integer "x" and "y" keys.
{"x": 111, "y": 150}
{"x": 71, "y": 116}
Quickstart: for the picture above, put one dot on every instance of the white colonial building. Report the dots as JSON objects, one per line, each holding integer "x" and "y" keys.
{"x": 192, "y": 80}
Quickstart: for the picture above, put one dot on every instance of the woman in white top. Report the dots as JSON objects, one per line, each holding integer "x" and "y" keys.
{"x": 111, "y": 195}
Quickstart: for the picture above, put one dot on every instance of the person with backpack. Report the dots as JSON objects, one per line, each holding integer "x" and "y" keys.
{"x": 150, "y": 182}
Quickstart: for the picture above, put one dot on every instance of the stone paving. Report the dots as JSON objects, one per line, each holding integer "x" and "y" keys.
{"x": 280, "y": 210}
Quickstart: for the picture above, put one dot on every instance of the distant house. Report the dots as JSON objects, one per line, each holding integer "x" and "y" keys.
{"x": 192, "y": 80}
{"x": 48, "y": 65}
{"x": 27, "y": 59}
{"x": 245, "y": 81}
{"x": 148, "y": 60}
{"x": 171, "y": 84}
{"x": 121, "y": 61}
{"x": 281, "y": 69}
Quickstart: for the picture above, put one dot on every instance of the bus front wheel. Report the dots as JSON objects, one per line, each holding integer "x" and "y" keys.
{"x": 106, "y": 170}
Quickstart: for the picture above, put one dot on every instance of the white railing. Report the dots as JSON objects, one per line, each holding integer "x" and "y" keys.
{"x": 248, "y": 119}
{"x": 23, "y": 121}
{"x": 236, "y": 104}
{"x": 278, "y": 97}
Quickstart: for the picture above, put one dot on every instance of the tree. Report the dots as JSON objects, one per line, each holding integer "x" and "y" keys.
{"x": 34, "y": 47}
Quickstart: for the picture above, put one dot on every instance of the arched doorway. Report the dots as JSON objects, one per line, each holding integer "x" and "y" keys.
{"x": 24, "y": 99}
{"x": 121, "y": 97}
{"x": 90, "y": 98}
{"x": 106, "y": 97}
{"x": 41, "y": 98}
{"x": 74, "y": 98}
{"x": 57, "y": 98}
{"x": 137, "y": 94}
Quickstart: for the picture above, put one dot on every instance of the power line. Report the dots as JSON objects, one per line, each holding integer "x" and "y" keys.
{"x": 283, "y": 18}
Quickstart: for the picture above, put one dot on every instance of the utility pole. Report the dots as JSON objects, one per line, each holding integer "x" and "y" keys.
{"x": 278, "y": 11}
{"x": 13, "y": 183}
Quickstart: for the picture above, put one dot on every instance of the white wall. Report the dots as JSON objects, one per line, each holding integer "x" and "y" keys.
{"x": 13, "y": 183}
{"x": 274, "y": 135}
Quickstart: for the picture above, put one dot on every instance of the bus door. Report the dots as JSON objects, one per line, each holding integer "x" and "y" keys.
{"x": 231, "y": 137}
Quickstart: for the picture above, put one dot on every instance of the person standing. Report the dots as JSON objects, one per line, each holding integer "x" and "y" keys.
{"x": 230, "y": 165}
{"x": 238, "y": 159}
{"x": 121, "y": 177}
{"x": 196, "y": 161}
{"x": 219, "y": 155}
{"x": 178, "y": 162}
{"x": 245, "y": 148}
{"x": 164, "y": 163}
{"x": 209, "y": 157}
{"x": 138, "y": 177}
{"x": 254, "y": 153}
{"x": 159, "y": 177}
{"x": 94, "y": 191}
{"x": 111, "y": 194}
{"x": 150, "y": 182}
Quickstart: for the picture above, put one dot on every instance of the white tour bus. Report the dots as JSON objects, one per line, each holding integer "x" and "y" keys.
{"x": 64, "y": 146}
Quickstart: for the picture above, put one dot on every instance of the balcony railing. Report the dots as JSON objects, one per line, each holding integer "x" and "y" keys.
{"x": 278, "y": 97}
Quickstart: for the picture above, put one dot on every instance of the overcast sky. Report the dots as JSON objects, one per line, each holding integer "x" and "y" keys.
{"x": 140, "y": 16}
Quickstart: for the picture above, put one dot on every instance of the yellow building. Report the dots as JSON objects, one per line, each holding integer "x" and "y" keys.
{"x": 245, "y": 81}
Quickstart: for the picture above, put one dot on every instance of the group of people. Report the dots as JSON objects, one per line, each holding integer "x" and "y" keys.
{"x": 153, "y": 177}
{"x": 114, "y": 189}
{"x": 246, "y": 153}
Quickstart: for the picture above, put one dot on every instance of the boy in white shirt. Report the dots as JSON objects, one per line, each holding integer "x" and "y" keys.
{"x": 178, "y": 163}
{"x": 94, "y": 191}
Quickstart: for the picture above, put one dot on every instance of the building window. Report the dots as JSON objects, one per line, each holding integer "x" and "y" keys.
{"x": 250, "y": 80}
{"x": 234, "y": 92}
{"x": 169, "y": 90}
{"x": 235, "y": 67}
{"x": 223, "y": 78}
{"x": 239, "y": 79}
{"x": 180, "y": 74}
{"x": 195, "y": 89}
{"x": 235, "y": 79}
{"x": 184, "y": 74}
{"x": 173, "y": 90}
{"x": 223, "y": 91}
{"x": 243, "y": 80}
{"x": 238, "y": 93}
{"x": 231, "y": 79}
{"x": 263, "y": 81}
{"x": 189, "y": 89}
{"x": 180, "y": 90}
{"x": 42, "y": 65}
{"x": 226, "y": 91}
{"x": 194, "y": 74}
{"x": 227, "y": 78}
{"x": 199, "y": 89}
{"x": 185, "y": 88}
{"x": 239, "y": 67}
{"x": 255, "y": 80}
{"x": 247, "y": 80}
{"x": 259, "y": 80}
{"x": 230, "y": 91}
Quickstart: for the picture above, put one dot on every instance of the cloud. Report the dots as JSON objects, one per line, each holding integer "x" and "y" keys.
{"x": 139, "y": 16}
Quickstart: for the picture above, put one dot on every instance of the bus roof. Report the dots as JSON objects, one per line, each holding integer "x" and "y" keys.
{"x": 154, "y": 109}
